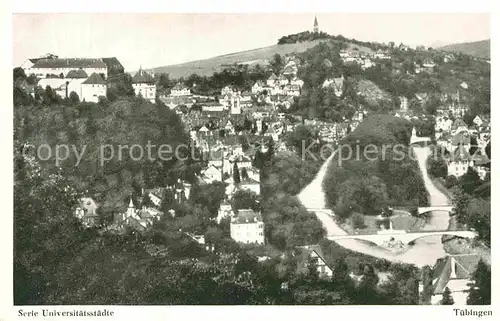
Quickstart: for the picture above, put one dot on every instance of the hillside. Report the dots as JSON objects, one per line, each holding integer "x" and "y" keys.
{"x": 479, "y": 49}
{"x": 207, "y": 67}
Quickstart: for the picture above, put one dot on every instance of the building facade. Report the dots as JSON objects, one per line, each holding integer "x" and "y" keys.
{"x": 144, "y": 85}
{"x": 247, "y": 227}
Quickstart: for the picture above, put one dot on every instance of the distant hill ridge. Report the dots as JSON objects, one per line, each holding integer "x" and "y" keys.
{"x": 479, "y": 49}
{"x": 206, "y": 67}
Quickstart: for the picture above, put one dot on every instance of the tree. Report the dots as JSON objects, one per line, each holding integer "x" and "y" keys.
{"x": 470, "y": 181}
{"x": 479, "y": 217}
{"x": 367, "y": 288}
{"x": 236, "y": 174}
{"x": 73, "y": 97}
{"x": 301, "y": 138}
{"x": 447, "y": 298}
{"x": 146, "y": 201}
{"x": 19, "y": 73}
{"x": 450, "y": 181}
{"x": 245, "y": 199}
{"x": 277, "y": 63}
{"x": 480, "y": 287}
{"x": 358, "y": 221}
{"x": 437, "y": 167}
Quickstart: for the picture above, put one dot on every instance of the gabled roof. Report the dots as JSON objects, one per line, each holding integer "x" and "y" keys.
{"x": 272, "y": 77}
{"x": 77, "y": 73}
{"x": 94, "y": 79}
{"x": 70, "y": 63}
{"x": 113, "y": 63}
{"x": 142, "y": 77}
{"x": 465, "y": 266}
{"x": 306, "y": 253}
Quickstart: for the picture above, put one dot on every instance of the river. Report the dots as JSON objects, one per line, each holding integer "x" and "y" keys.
{"x": 425, "y": 251}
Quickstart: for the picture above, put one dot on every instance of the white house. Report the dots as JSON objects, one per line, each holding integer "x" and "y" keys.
{"x": 61, "y": 66}
{"x": 144, "y": 85}
{"x": 312, "y": 255}
{"x": 282, "y": 80}
{"x": 443, "y": 123}
{"x": 258, "y": 87}
{"x": 93, "y": 88}
{"x": 404, "y": 103}
{"x": 180, "y": 90}
{"x": 74, "y": 80}
{"x": 251, "y": 185}
{"x": 271, "y": 80}
{"x": 212, "y": 106}
{"x": 459, "y": 162}
{"x": 211, "y": 174}
{"x": 478, "y": 121}
{"x": 247, "y": 227}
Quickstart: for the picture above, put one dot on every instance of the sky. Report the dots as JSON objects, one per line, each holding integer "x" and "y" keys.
{"x": 152, "y": 40}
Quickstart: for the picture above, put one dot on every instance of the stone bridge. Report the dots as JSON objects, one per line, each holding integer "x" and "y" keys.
{"x": 321, "y": 210}
{"x": 445, "y": 208}
{"x": 416, "y": 140}
{"x": 405, "y": 238}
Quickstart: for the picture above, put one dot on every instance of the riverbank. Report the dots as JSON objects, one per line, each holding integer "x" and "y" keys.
{"x": 425, "y": 251}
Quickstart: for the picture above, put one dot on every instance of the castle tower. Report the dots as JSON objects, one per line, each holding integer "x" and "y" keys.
{"x": 315, "y": 26}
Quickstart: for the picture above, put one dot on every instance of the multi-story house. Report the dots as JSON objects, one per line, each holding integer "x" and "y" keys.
{"x": 60, "y": 67}
{"x": 144, "y": 85}
{"x": 459, "y": 162}
{"x": 247, "y": 227}
{"x": 180, "y": 90}
{"x": 93, "y": 88}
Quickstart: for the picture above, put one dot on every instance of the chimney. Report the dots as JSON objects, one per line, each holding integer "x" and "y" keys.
{"x": 453, "y": 274}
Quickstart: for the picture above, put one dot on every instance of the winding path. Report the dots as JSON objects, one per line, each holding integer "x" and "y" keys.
{"x": 425, "y": 251}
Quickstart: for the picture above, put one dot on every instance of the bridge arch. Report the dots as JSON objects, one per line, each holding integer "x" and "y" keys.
{"x": 374, "y": 239}
{"x": 446, "y": 208}
{"x": 410, "y": 237}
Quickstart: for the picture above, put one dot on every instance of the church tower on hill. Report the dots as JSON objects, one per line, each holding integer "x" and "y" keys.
{"x": 315, "y": 26}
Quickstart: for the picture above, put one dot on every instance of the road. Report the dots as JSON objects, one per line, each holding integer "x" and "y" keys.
{"x": 425, "y": 251}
